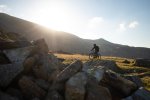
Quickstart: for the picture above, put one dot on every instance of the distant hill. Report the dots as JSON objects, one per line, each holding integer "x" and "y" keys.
{"x": 62, "y": 41}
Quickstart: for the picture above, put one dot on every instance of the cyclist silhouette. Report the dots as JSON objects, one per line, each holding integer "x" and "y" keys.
{"x": 96, "y": 49}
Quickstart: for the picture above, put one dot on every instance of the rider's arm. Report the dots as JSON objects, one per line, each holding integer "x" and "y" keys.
{"x": 92, "y": 49}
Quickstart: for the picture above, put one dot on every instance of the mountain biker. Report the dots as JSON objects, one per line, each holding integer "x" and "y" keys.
{"x": 96, "y": 49}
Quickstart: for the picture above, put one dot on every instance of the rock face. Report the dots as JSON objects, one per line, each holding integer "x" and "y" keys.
{"x": 75, "y": 87}
{"x": 8, "y": 72}
{"x": 142, "y": 62}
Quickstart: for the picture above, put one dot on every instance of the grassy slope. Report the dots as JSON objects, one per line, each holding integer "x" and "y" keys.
{"x": 129, "y": 69}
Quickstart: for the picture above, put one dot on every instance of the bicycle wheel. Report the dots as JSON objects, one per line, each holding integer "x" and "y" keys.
{"x": 91, "y": 56}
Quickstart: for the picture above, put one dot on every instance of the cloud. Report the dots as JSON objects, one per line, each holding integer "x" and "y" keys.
{"x": 122, "y": 27}
{"x": 133, "y": 24}
{"x": 4, "y": 9}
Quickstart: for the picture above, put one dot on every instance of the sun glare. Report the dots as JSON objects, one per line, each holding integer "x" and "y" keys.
{"x": 54, "y": 16}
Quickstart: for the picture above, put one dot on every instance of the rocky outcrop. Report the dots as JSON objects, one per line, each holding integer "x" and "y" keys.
{"x": 31, "y": 73}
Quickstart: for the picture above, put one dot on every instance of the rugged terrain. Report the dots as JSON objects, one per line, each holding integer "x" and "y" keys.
{"x": 28, "y": 71}
{"x": 66, "y": 42}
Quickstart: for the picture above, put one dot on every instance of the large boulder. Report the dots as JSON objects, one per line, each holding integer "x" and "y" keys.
{"x": 75, "y": 87}
{"x": 135, "y": 79}
{"x": 9, "y": 72}
{"x": 18, "y": 54}
{"x": 30, "y": 89}
{"x": 108, "y": 64}
{"x": 40, "y": 72}
{"x": 95, "y": 71}
{"x": 142, "y": 62}
{"x": 96, "y": 92}
{"x": 41, "y": 46}
{"x": 140, "y": 94}
{"x": 42, "y": 83}
{"x": 118, "y": 84}
{"x": 69, "y": 71}
{"x": 30, "y": 62}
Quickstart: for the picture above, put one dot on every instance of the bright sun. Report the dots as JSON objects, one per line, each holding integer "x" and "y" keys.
{"x": 54, "y": 16}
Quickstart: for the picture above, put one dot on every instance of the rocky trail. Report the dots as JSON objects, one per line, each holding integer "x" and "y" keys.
{"x": 29, "y": 72}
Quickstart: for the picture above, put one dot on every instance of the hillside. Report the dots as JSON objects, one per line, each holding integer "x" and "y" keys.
{"x": 62, "y": 41}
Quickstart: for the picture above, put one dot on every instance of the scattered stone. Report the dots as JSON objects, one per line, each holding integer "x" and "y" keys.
{"x": 75, "y": 87}
{"x": 30, "y": 89}
{"x": 9, "y": 72}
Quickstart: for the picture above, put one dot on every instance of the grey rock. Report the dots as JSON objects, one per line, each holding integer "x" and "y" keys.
{"x": 18, "y": 54}
{"x": 8, "y": 72}
{"x": 96, "y": 92}
{"x": 69, "y": 71}
{"x": 135, "y": 79}
{"x": 75, "y": 87}
{"x": 42, "y": 83}
{"x": 119, "y": 84}
{"x": 141, "y": 94}
{"x": 95, "y": 71}
{"x": 108, "y": 64}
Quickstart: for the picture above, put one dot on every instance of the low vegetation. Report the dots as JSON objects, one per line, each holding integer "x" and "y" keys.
{"x": 127, "y": 67}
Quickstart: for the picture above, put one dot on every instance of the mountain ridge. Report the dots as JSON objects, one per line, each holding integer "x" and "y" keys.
{"x": 63, "y": 41}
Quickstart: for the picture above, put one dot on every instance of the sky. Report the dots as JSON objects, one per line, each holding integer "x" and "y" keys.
{"x": 119, "y": 21}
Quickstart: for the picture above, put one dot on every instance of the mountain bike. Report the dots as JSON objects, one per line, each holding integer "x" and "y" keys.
{"x": 92, "y": 55}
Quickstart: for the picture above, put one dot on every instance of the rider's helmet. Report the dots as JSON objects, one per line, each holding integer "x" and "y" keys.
{"x": 94, "y": 45}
